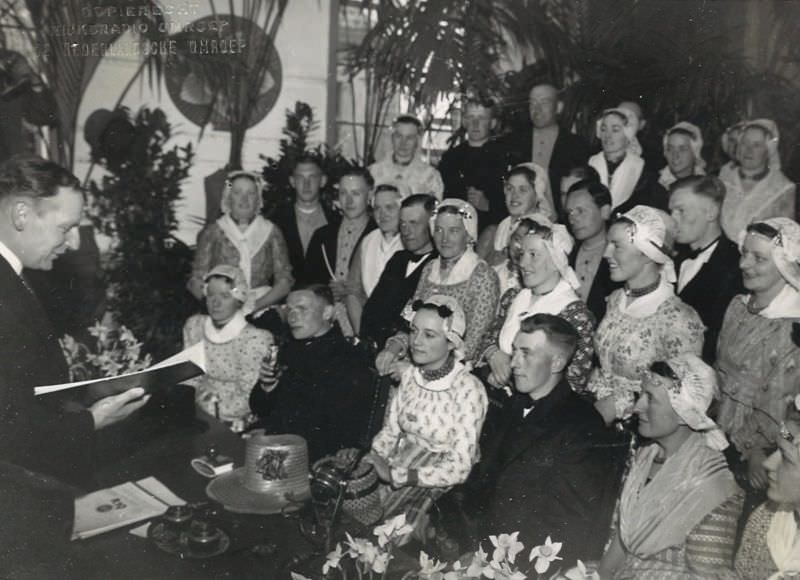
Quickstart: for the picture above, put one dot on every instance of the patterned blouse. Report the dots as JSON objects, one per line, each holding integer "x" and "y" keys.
{"x": 269, "y": 265}
{"x": 577, "y": 314}
{"x": 443, "y": 417}
{"x": 478, "y": 296}
{"x": 626, "y": 346}
{"x": 231, "y": 369}
{"x": 758, "y": 366}
{"x": 753, "y": 560}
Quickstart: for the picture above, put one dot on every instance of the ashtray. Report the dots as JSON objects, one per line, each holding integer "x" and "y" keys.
{"x": 186, "y": 544}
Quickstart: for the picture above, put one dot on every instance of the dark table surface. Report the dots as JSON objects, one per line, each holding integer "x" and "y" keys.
{"x": 161, "y": 443}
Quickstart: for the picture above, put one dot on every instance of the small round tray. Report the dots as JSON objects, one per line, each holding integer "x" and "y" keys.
{"x": 179, "y": 546}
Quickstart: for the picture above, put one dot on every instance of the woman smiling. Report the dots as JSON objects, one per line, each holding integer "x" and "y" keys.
{"x": 645, "y": 321}
{"x": 526, "y": 191}
{"x": 233, "y": 347}
{"x": 242, "y": 237}
{"x": 549, "y": 287}
{"x": 620, "y": 165}
{"x": 457, "y": 272}
{"x": 757, "y": 359}
{"x": 756, "y": 187}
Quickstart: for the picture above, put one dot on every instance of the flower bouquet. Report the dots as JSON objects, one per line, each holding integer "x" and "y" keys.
{"x": 115, "y": 352}
{"x": 362, "y": 559}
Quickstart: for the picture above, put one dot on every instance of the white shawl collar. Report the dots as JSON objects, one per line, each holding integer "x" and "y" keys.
{"x": 785, "y": 305}
{"x": 526, "y": 303}
{"x": 247, "y": 242}
{"x": 624, "y": 179}
{"x": 784, "y": 543}
{"x": 461, "y": 272}
{"x": 231, "y": 330}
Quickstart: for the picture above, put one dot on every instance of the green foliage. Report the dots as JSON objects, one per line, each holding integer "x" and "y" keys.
{"x": 135, "y": 205}
{"x": 300, "y": 123}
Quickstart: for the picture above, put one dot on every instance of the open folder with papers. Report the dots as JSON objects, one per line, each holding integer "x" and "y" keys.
{"x": 120, "y": 506}
{"x": 178, "y": 368}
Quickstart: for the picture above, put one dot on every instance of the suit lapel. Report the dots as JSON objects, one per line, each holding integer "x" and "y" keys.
{"x": 20, "y": 297}
{"x": 707, "y": 273}
{"x": 29, "y": 318}
{"x": 526, "y": 432}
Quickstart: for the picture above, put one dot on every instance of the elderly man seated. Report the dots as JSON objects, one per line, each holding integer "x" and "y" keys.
{"x": 555, "y": 469}
{"x": 319, "y": 386}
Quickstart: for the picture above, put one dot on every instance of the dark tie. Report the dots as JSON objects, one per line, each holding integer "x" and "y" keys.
{"x": 685, "y": 252}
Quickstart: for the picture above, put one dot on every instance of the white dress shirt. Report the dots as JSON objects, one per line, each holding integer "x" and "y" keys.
{"x": 11, "y": 258}
{"x": 690, "y": 267}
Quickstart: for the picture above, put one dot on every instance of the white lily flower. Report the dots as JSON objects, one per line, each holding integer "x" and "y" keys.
{"x": 545, "y": 555}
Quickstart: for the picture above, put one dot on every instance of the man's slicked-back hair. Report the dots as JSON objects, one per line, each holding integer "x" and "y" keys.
{"x": 322, "y": 291}
{"x": 426, "y": 200}
{"x": 597, "y": 191}
{"x": 583, "y": 173}
{"x": 34, "y": 176}
{"x": 359, "y": 171}
{"x": 559, "y": 332}
{"x": 308, "y": 159}
{"x": 708, "y": 186}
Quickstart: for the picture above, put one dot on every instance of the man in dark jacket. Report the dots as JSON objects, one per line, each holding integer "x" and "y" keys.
{"x": 588, "y": 209}
{"x": 381, "y": 316}
{"x": 41, "y": 205}
{"x": 555, "y": 470}
{"x": 707, "y": 263}
{"x": 299, "y": 221}
{"x": 332, "y": 246}
{"x": 473, "y": 170}
{"x": 321, "y": 386}
{"x": 544, "y": 142}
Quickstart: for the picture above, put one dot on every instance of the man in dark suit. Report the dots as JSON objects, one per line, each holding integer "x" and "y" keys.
{"x": 555, "y": 469}
{"x": 321, "y": 386}
{"x": 332, "y": 246}
{"x": 588, "y": 209}
{"x": 299, "y": 221}
{"x": 381, "y": 316}
{"x": 474, "y": 169}
{"x": 40, "y": 207}
{"x": 707, "y": 263}
{"x": 545, "y": 143}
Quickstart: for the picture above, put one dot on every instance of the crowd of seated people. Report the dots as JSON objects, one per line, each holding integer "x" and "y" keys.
{"x": 601, "y": 347}
{"x": 598, "y": 345}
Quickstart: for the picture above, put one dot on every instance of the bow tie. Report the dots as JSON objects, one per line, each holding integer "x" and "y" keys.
{"x": 414, "y": 258}
{"x": 688, "y": 253}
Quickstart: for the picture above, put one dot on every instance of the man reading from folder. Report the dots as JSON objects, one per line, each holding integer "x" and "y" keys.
{"x": 40, "y": 207}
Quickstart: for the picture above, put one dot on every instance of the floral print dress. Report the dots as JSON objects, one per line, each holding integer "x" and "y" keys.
{"x": 231, "y": 369}
{"x": 433, "y": 427}
{"x": 627, "y": 345}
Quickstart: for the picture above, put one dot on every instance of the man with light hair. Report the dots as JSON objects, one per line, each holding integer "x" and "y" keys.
{"x": 473, "y": 170}
{"x": 404, "y": 167}
{"x": 707, "y": 262}
{"x": 375, "y": 250}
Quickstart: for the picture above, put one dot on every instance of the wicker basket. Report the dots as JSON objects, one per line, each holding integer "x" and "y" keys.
{"x": 361, "y": 495}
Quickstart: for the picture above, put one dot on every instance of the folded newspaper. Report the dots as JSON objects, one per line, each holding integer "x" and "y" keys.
{"x": 183, "y": 366}
{"x": 119, "y": 506}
